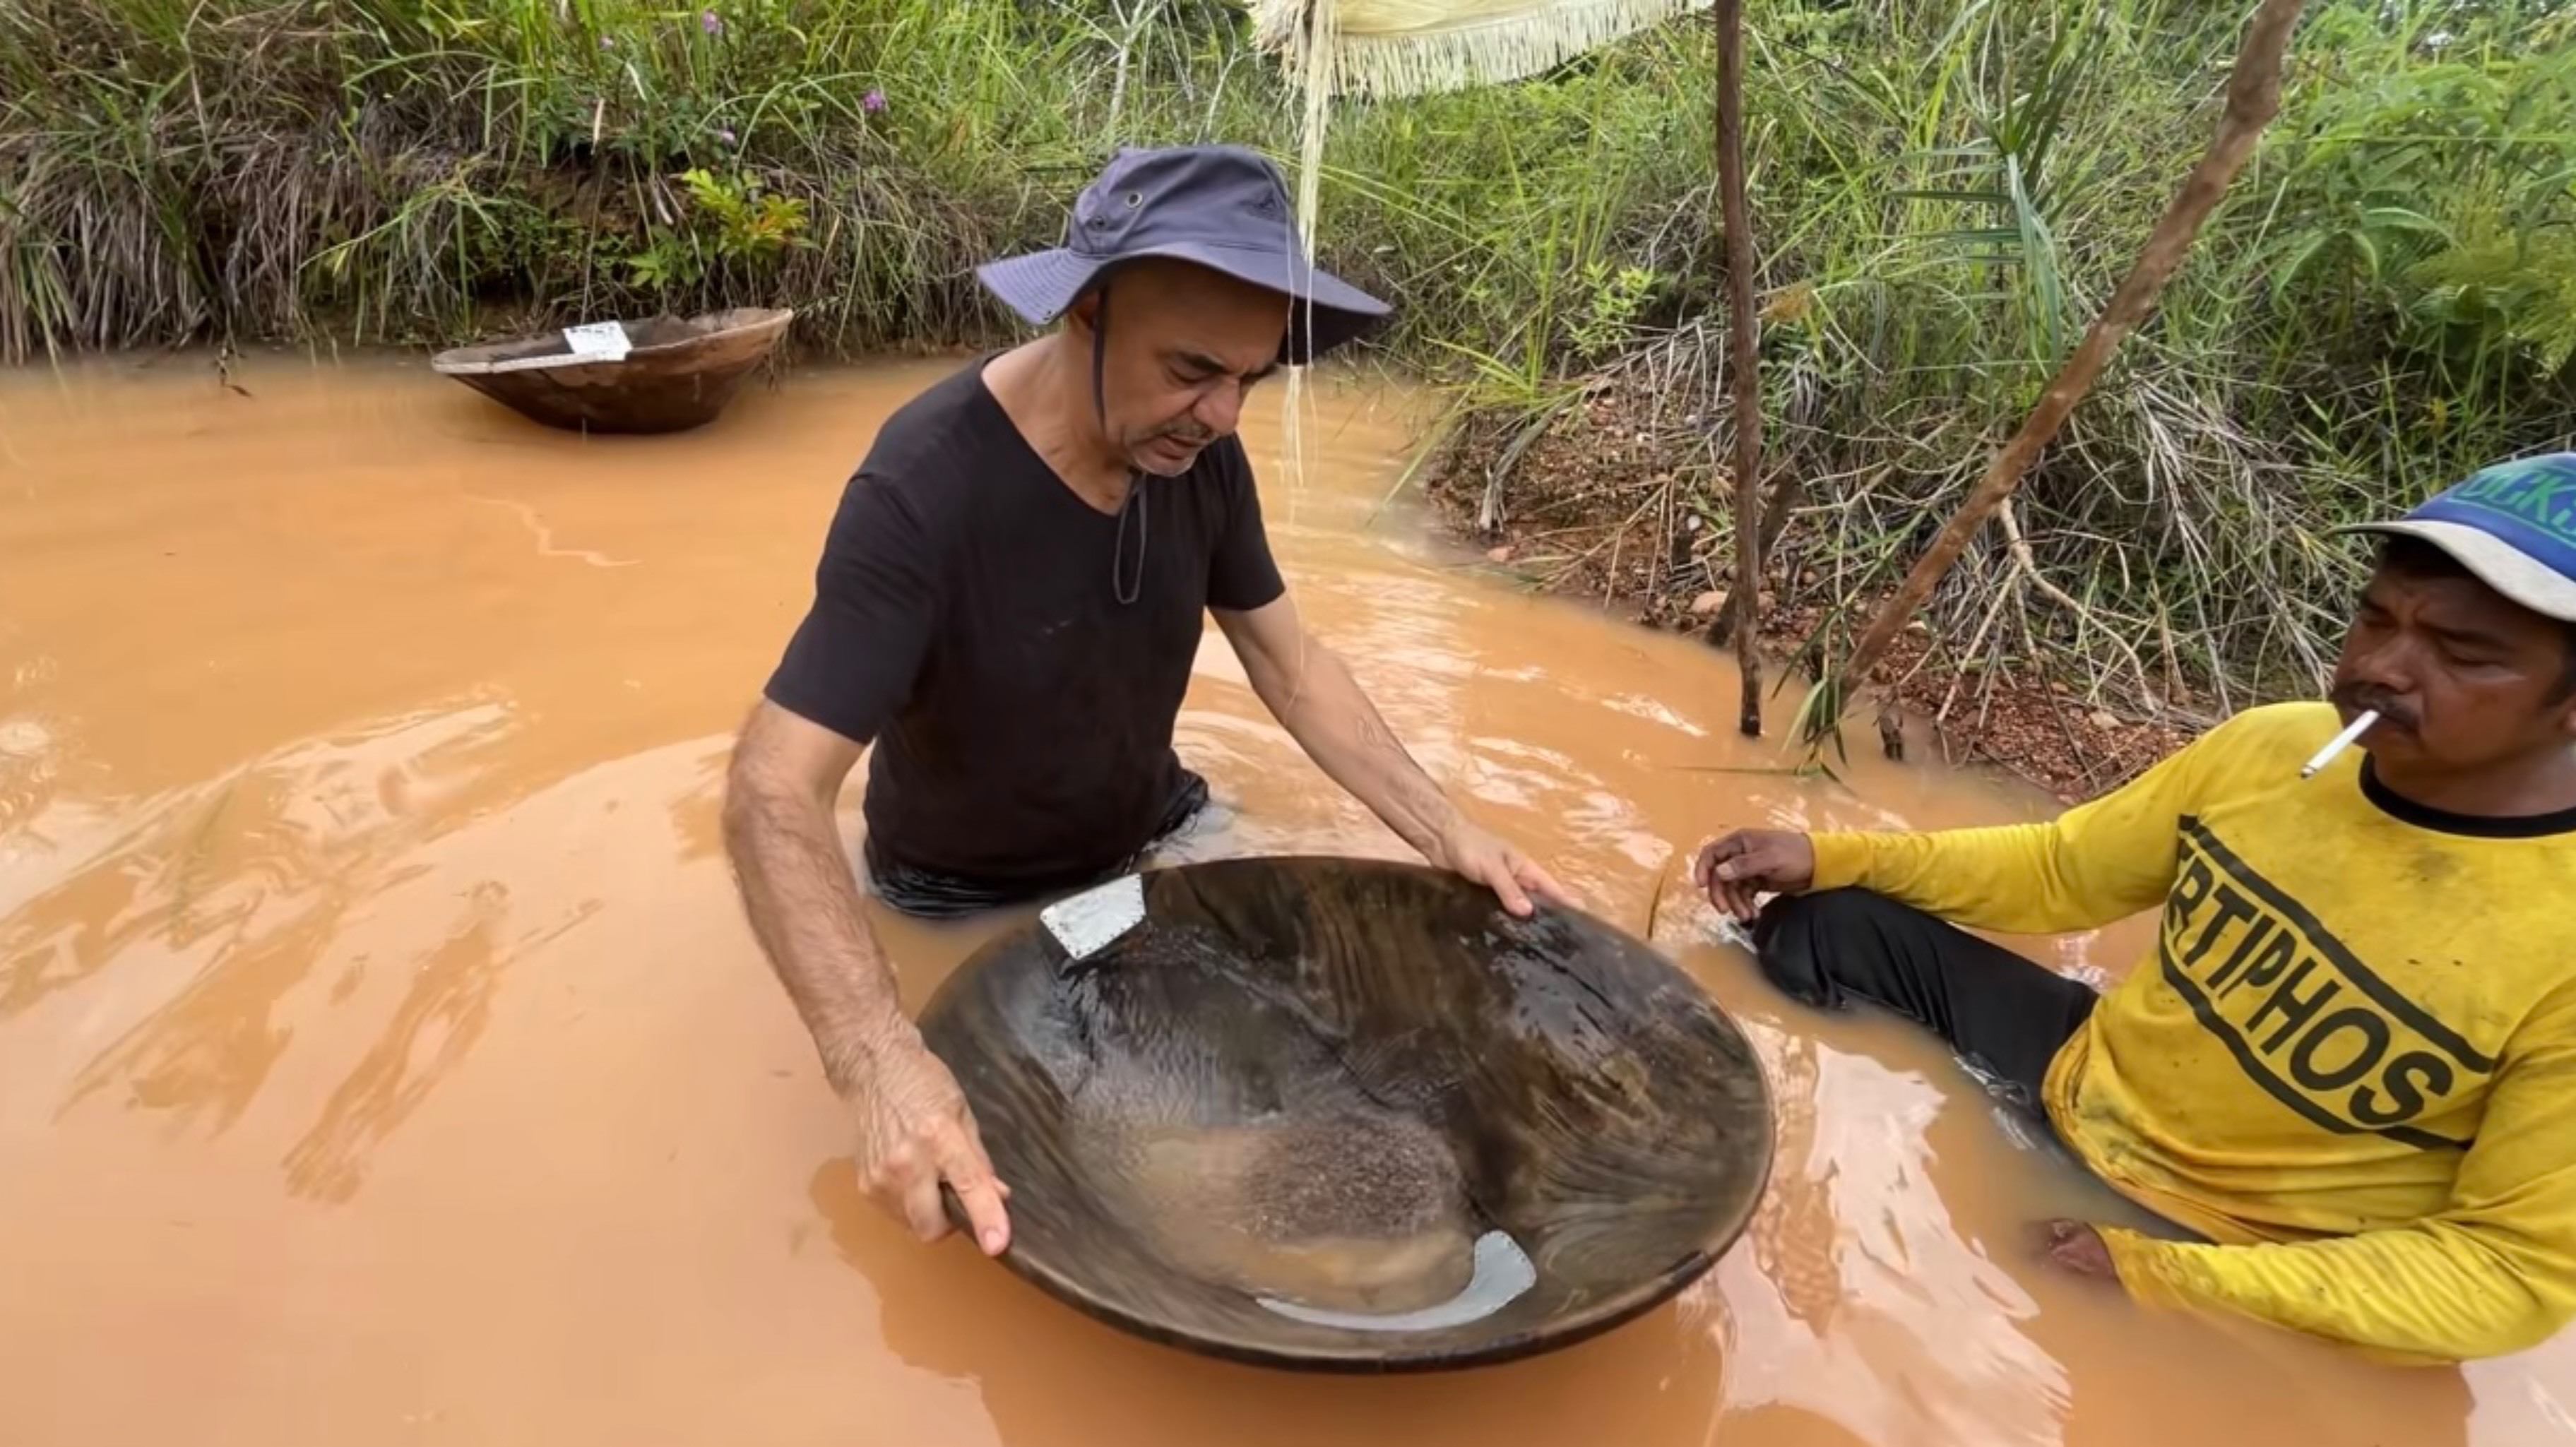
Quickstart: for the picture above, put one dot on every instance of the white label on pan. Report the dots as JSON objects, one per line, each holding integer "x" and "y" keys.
{"x": 605, "y": 341}
{"x": 1091, "y": 921}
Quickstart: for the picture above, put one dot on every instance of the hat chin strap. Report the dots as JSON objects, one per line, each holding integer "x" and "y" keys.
{"x": 1134, "y": 502}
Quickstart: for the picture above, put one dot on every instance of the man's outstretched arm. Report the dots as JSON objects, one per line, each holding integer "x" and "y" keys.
{"x": 914, "y": 1129}
{"x": 1313, "y": 695}
{"x": 2100, "y": 861}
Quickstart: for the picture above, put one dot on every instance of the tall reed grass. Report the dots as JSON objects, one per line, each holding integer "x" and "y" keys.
{"x": 1943, "y": 191}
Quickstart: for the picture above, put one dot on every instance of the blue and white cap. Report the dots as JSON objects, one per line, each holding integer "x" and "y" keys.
{"x": 2513, "y": 525}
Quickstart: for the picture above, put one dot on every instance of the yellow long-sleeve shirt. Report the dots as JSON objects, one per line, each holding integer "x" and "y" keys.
{"x": 2350, "y": 1058}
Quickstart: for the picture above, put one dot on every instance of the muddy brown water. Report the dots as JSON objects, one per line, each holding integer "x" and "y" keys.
{"x": 383, "y": 1058}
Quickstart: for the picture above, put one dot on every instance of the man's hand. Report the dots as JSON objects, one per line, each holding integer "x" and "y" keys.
{"x": 2078, "y": 1248}
{"x": 1472, "y": 853}
{"x": 915, "y": 1131}
{"x": 1750, "y": 861}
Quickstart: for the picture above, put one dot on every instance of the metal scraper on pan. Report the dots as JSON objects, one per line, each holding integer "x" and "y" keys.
{"x": 1092, "y": 921}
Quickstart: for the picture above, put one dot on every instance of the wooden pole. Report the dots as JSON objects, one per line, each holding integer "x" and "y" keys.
{"x": 1743, "y": 369}
{"x": 2253, "y": 96}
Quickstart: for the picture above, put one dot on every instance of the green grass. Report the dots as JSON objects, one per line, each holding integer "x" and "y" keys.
{"x": 1944, "y": 191}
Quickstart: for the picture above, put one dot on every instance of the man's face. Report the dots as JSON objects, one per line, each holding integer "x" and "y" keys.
{"x": 2464, "y": 679}
{"x": 1186, "y": 347}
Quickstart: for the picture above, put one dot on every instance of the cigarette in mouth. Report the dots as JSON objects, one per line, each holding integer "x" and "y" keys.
{"x": 2340, "y": 742}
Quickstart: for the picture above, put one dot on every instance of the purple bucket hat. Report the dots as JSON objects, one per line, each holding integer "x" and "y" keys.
{"x": 1222, "y": 207}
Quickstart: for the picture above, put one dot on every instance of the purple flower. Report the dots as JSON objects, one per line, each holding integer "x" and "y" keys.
{"x": 725, "y": 134}
{"x": 873, "y": 101}
{"x": 710, "y": 22}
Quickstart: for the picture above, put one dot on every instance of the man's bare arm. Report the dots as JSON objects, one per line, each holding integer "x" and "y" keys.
{"x": 1313, "y": 695}
{"x": 799, "y": 891}
{"x": 915, "y": 1130}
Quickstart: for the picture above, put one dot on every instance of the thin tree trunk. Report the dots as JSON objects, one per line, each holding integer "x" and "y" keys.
{"x": 2253, "y": 95}
{"x": 1744, "y": 376}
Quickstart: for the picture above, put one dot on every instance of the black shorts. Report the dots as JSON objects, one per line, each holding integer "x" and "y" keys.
{"x": 929, "y": 894}
{"x": 2003, "y": 1015}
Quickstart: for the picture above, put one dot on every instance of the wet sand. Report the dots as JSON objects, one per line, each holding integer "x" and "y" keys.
{"x": 383, "y": 1058}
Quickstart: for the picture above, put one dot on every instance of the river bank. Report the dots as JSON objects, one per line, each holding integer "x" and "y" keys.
{"x": 1603, "y": 503}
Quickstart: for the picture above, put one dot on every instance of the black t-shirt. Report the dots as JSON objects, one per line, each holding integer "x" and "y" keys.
{"x": 964, "y": 619}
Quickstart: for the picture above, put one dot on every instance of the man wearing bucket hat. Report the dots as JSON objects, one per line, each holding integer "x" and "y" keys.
{"x": 1007, "y": 607}
{"x": 2349, "y": 1064}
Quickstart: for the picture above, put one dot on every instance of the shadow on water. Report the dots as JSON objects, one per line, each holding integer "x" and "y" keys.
{"x": 1052, "y": 1377}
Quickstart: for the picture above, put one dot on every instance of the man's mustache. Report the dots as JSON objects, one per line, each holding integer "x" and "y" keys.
{"x": 2360, "y": 696}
